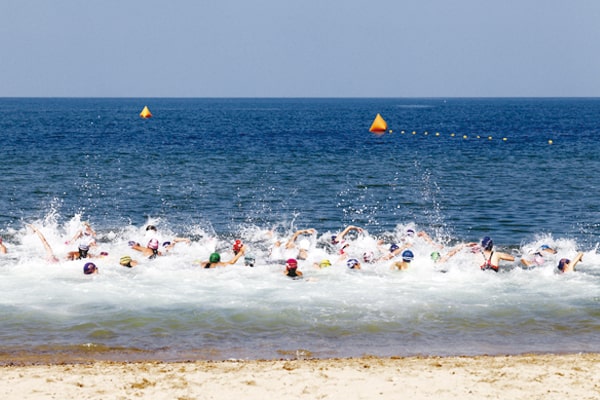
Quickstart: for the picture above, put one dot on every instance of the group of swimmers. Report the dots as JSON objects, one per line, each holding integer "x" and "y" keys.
{"x": 400, "y": 255}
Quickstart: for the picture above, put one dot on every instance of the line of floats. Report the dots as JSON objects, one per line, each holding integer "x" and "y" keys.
{"x": 378, "y": 127}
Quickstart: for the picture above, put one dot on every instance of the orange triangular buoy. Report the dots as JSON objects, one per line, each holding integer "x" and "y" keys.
{"x": 146, "y": 113}
{"x": 379, "y": 125}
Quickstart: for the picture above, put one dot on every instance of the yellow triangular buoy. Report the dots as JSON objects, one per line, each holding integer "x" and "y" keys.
{"x": 379, "y": 126}
{"x": 146, "y": 113}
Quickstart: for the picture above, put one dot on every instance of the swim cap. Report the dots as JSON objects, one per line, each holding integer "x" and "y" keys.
{"x": 435, "y": 255}
{"x": 352, "y": 263}
{"x": 562, "y": 263}
{"x": 167, "y": 243}
{"x": 84, "y": 247}
{"x": 249, "y": 260}
{"x": 538, "y": 258}
{"x": 131, "y": 243}
{"x": 304, "y": 244}
{"x": 291, "y": 263}
{"x": 334, "y": 239}
{"x": 214, "y": 258}
{"x": 487, "y": 243}
{"x": 407, "y": 255}
{"x": 153, "y": 244}
{"x": 410, "y": 232}
{"x": 324, "y": 263}
{"x": 125, "y": 261}
{"x": 237, "y": 246}
{"x": 368, "y": 257}
{"x": 151, "y": 228}
{"x": 89, "y": 268}
{"x": 544, "y": 247}
{"x": 393, "y": 247}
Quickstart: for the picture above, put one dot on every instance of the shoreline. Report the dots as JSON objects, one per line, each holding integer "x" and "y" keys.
{"x": 527, "y": 376}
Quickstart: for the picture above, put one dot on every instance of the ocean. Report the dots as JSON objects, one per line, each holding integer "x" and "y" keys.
{"x": 521, "y": 171}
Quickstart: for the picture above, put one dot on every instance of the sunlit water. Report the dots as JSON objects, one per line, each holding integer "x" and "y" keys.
{"x": 217, "y": 170}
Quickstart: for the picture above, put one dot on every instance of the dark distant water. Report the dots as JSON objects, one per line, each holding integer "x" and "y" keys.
{"x": 459, "y": 169}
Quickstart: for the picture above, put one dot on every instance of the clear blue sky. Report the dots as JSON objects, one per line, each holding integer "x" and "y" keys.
{"x": 307, "y": 48}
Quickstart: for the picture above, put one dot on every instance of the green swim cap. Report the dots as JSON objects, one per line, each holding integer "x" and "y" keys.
{"x": 435, "y": 255}
{"x": 214, "y": 258}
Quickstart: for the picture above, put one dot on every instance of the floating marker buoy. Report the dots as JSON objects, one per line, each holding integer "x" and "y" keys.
{"x": 437, "y": 134}
{"x": 391, "y": 131}
{"x": 146, "y": 113}
{"x": 464, "y": 136}
{"x": 489, "y": 138}
{"x": 478, "y": 137}
{"x": 452, "y": 135}
{"x": 414, "y": 132}
{"x": 550, "y": 141}
{"x": 379, "y": 126}
{"x": 504, "y": 139}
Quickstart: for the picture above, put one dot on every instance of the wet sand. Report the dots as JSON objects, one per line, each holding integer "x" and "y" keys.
{"x": 572, "y": 376}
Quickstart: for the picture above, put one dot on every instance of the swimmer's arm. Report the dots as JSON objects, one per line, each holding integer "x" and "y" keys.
{"x": 348, "y": 229}
{"x": 506, "y": 257}
{"x": 238, "y": 255}
{"x": 575, "y": 261}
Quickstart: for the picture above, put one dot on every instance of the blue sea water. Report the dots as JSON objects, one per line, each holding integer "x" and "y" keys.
{"x": 523, "y": 171}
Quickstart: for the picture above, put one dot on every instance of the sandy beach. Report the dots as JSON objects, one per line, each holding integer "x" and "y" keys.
{"x": 500, "y": 377}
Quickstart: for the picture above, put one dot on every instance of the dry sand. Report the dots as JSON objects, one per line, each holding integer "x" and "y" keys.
{"x": 529, "y": 377}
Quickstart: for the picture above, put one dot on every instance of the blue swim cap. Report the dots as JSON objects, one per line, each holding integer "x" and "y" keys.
{"x": 89, "y": 268}
{"x": 562, "y": 263}
{"x": 352, "y": 263}
{"x": 487, "y": 243}
{"x": 407, "y": 255}
{"x": 394, "y": 247}
{"x": 84, "y": 247}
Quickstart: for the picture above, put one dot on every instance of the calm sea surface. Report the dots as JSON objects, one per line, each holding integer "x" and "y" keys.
{"x": 524, "y": 171}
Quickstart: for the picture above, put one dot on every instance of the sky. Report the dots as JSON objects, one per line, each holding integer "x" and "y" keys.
{"x": 306, "y": 48}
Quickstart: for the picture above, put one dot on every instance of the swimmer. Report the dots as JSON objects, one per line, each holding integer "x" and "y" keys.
{"x": 152, "y": 233}
{"x": 492, "y": 258}
{"x": 566, "y": 265}
{"x": 249, "y": 260}
{"x": 215, "y": 260}
{"x": 90, "y": 268}
{"x": 50, "y": 257}
{"x": 2, "y": 247}
{"x": 538, "y": 258}
{"x": 127, "y": 261}
{"x": 291, "y": 269}
{"x": 394, "y": 250}
{"x": 151, "y": 250}
{"x": 304, "y": 243}
{"x": 353, "y": 263}
{"x": 86, "y": 235}
{"x": 407, "y": 257}
{"x": 324, "y": 263}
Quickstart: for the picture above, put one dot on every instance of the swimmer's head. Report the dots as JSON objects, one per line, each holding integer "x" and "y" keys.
{"x": 487, "y": 243}
{"x": 214, "y": 258}
{"x": 435, "y": 256}
{"x": 393, "y": 247}
{"x": 153, "y": 244}
{"x": 151, "y": 228}
{"x": 237, "y": 246}
{"x": 407, "y": 256}
{"x": 368, "y": 257}
{"x": 334, "y": 239}
{"x": 538, "y": 258}
{"x": 325, "y": 263}
{"x": 352, "y": 263}
{"x": 90, "y": 268}
{"x": 125, "y": 261}
{"x": 249, "y": 260}
{"x": 410, "y": 232}
{"x": 84, "y": 247}
{"x": 291, "y": 263}
{"x": 562, "y": 263}
{"x": 304, "y": 244}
